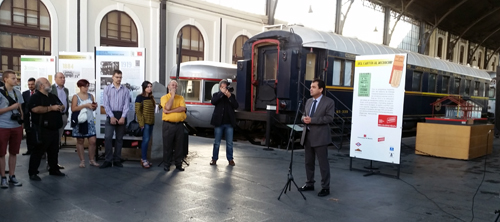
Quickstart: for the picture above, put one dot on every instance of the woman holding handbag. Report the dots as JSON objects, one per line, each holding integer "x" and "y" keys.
{"x": 145, "y": 111}
{"x": 84, "y": 103}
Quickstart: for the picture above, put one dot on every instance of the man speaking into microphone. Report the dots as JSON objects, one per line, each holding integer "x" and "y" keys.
{"x": 318, "y": 114}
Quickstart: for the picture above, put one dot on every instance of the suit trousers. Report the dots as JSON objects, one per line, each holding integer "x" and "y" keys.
{"x": 109, "y": 130}
{"x": 173, "y": 142}
{"x": 50, "y": 144}
{"x": 324, "y": 166}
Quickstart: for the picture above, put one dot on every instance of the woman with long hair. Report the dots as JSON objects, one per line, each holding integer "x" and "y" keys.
{"x": 145, "y": 111}
{"x": 83, "y": 101}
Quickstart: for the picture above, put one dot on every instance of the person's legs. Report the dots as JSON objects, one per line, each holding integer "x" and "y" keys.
{"x": 109, "y": 130}
{"x": 53, "y": 150}
{"x": 324, "y": 166}
{"x": 80, "y": 151}
{"x": 229, "y": 141}
{"x": 179, "y": 144}
{"x": 120, "y": 132}
{"x": 167, "y": 143}
{"x": 218, "y": 137}
{"x": 309, "y": 159}
{"x": 4, "y": 140}
{"x": 14, "y": 146}
{"x": 146, "y": 136}
{"x": 92, "y": 148}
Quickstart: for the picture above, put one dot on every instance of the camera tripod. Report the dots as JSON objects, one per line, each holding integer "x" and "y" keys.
{"x": 291, "y": 139}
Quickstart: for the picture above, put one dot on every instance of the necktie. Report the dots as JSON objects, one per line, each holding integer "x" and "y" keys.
{"x": 313, "y": 108}
{"x": 31, "y": 93}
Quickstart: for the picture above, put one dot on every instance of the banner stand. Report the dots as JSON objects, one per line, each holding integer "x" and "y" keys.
{"x": 374, "y": 170}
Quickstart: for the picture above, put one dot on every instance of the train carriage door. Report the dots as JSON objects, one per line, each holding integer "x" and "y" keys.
{"x": 264, "y": 82}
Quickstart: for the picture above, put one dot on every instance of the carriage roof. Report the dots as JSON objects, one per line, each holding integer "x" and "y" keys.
{"x": 206, "y": 69}
{"x": 334, "y": 42}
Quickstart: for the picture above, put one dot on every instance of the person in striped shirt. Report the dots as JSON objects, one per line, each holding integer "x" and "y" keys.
{"x": 145, "y": 112}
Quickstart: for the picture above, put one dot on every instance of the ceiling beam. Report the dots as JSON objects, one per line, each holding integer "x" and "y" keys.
{"x": 424, "y": 43}
{"x": 475, "y": 49}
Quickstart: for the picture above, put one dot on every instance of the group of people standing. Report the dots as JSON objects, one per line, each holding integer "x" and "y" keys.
{"x": 43, "y": 109}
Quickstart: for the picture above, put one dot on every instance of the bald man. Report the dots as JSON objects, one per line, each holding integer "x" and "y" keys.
{"x": 62, "y": 93}
{"x": 46, "y": 120}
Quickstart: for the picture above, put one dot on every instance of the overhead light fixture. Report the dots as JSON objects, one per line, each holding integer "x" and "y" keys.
{"x": 375, "y": 30}
{"x": 310, "y": 9}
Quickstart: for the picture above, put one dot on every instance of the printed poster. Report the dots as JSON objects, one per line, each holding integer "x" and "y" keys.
{"x": 36, "y": 67}
{"x": 377, "y": 110}
{"x": 131, "y": 61}
{"x": 76, "y": 66}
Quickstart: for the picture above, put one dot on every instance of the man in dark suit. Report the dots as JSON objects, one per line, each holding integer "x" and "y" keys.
{"x": 318, "y": 114}
{"x": 30, "y": 136}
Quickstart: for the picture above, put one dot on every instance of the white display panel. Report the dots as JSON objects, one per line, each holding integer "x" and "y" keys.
{"x": 377, "y": 109}
{"x": 131, "y": 61}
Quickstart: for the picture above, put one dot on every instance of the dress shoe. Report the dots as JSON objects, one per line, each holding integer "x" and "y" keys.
{"x": 213, "y": 162}
{"x": 117, "y": 164}
{"x": 106, "y": 164}
{"x": 306, "y": 188}
{"x": 324, "y": 192}
{"x": 179, "y": 168}
{"x": 166, "y": 168}
{"x": 35, "y": 177}
{"x": 27, "y": 153}
{"x": 57, "y": 173}
{"x": 231, "y": 163}
{"x": 60, "y": 166}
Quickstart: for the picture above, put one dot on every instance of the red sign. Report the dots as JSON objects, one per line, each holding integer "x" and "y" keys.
{"x": 390, "y": 121}
{"x": 381, "y": 139}
{"x": 139, "y": 53}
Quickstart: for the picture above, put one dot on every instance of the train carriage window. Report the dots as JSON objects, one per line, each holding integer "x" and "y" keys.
{"x": 211, "y": 87}
{"x": 270, "y": 66}
{"x": 467, "y": 87}
{"x": 456, "y": 90}
{"x": 476, "y": 88}
{"x": 190, "y": 89}
{"x": 432, "y": 82}
{"x": 446, "y": 84}
{"x": 416, "y": 81}
{"x": 348, "y": 71}
{"x": 310, "y": 66}
{"x": 337, "y": 67}
{"x": 486, "y": 88}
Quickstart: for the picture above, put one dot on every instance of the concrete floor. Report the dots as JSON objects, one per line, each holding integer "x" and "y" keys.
{"x": 429, "y": 189}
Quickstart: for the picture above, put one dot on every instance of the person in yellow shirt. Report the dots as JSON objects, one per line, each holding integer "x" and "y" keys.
{"x": 174, "y": 113}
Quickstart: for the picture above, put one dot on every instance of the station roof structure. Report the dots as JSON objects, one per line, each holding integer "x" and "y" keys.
{"x": 473, "y": 20}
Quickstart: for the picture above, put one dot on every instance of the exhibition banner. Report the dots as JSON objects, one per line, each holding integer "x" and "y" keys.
{"x": 36, "y": 67}
{"x": 131, "y": 61}
{"x": 76, "y": 66}
{"x": 377, "y": 109}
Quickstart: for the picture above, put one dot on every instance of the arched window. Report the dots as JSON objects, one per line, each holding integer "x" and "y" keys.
{"x": 238, "y": 48}
{"x": 192, "y": 44}
{"x": 462, "y": 51}
{"x": 25, "y": 30}
{"x": 440, "y": 48}
{"x": 118, "y": 29}
{"x": 493, "y": 68}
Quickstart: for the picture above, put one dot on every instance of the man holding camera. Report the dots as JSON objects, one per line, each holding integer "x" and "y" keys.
{"x": 46, "y": 120}
{"x": 174, "y": 113}
{"x": 223, "y": 119}
{"x": 11, "y": 131}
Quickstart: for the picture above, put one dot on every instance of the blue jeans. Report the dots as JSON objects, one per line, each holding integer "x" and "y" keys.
{"x": 146, "y": 136}
{"x": 228, "y": 130}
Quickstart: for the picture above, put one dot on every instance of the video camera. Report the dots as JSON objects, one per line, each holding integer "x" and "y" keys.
{"x": 229, "y": 88}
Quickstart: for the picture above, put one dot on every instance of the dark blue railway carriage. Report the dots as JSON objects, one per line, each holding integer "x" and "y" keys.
{"x": 279, "y": 65}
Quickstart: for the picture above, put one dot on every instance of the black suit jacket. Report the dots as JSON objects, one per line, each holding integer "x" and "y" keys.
{"x": 26, "y": 98}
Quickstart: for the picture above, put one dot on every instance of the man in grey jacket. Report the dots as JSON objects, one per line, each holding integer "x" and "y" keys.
{"x": 318, "y": 114}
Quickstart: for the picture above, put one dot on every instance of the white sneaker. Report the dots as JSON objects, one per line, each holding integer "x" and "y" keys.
{"x": 3, "y": 183}
{"x": 14, "y": 181}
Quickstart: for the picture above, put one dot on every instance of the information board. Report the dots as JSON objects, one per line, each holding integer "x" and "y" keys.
{"x": 377, "y": 109}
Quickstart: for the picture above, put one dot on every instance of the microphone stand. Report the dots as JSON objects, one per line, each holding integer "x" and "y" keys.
{"x": 290, "y": 179}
